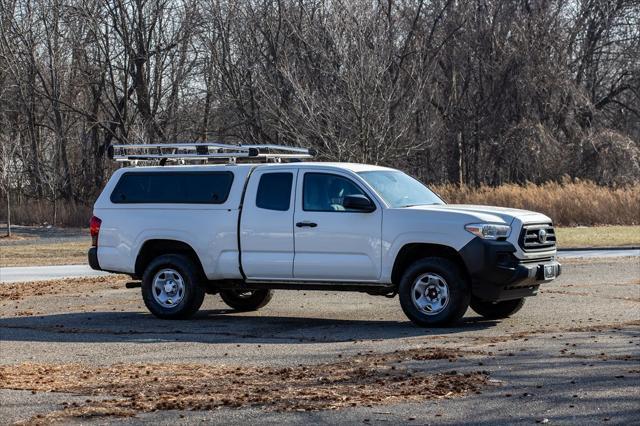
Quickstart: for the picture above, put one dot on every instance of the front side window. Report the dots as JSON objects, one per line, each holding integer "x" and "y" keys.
{"x": 274, "y": 191}
{"x": 173, "y": 187}
{"x": 324, "y": 192}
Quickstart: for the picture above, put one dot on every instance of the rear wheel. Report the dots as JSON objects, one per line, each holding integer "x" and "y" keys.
{"x": 171, "y": 287}
{"x": 246, "y": 300}
{"x": 496, "y": 310}
{"x": 433, "y": 292}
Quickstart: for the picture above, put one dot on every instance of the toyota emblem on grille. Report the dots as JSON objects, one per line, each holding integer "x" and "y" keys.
{"x": 542, "y": 236}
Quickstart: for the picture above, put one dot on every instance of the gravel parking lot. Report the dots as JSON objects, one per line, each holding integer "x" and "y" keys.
{"x": 86, "y": 350}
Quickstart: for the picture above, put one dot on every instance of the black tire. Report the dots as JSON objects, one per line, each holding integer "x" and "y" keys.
{"x": 191, "y": 277}
{"x": 246, "y": 300}
{"x": 458, "y": 298}
{"x": 496, "y": 310}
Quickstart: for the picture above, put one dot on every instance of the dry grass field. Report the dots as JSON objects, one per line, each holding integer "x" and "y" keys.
{"x": 39, "y": 254}
{"x": 567, "y": 203}
{"x": 599, "y": 236}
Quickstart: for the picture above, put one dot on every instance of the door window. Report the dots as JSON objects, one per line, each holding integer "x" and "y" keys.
{"x": 324, "y": 192}
{"x": 274, "y": 191}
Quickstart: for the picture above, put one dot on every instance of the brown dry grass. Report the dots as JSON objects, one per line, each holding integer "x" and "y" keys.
{"x": 33, "y": 212}
{"x": 567, "y": 203}
{"x": 68, "y": 253}
{"x": 126, "y": 389}
{"x": 599, "y": 236}
{"x": 14, "y": 237}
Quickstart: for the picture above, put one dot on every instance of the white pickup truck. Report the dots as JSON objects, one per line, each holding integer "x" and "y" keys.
{"x": 242, "y": 230}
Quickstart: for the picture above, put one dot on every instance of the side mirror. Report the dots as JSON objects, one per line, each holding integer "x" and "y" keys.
{"x": 358, "y": 202}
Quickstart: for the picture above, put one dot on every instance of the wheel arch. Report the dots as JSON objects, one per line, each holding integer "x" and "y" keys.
{"x": 153, "y": 248}
{"x": 411, "y": 252}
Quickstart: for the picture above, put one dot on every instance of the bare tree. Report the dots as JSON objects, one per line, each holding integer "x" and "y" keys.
{"x": 474, "y": 92}
{"x": 9, "y": 168}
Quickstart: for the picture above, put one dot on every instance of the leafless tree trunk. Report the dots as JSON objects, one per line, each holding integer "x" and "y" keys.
{"x": 474, "y": 92}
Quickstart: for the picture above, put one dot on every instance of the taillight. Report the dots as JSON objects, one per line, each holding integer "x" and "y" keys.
{"x": 94, "y": 228}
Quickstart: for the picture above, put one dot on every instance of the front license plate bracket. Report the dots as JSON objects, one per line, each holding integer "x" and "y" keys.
{"x": 549, "y": 271}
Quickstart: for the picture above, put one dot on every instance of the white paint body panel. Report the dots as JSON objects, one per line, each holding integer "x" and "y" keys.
{"x": 210, "y": 229}
{"x": 267, "y": 235}
{"x": 344, "y": 247}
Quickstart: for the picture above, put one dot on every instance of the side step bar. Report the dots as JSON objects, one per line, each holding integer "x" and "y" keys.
{"x": 374, "y": 289}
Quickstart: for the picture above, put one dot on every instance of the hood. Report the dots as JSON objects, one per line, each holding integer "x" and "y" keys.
{"x": 489, "y": 213}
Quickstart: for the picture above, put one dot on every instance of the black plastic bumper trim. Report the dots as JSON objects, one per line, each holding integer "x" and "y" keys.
{"x": 496, "y": 274}
{"x": 93, "y": 259}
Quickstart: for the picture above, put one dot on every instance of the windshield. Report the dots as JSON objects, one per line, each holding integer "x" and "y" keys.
{"x": 398, "y": 189}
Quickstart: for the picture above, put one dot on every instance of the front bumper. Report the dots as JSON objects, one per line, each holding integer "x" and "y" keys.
{"x": 496, "y": 274}
{"x": 93, "y": 258}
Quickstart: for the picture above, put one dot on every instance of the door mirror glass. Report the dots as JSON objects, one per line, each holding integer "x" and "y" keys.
{"x": 358, "y": 202}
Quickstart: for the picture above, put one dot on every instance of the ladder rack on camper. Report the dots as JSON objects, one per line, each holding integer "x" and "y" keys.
{"x": 205, "y": 151}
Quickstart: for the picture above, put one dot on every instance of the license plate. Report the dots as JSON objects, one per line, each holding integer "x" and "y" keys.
{"x": 549, "y": 272}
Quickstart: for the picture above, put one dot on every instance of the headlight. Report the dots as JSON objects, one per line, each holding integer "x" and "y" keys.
{"x": 489, "y": 231}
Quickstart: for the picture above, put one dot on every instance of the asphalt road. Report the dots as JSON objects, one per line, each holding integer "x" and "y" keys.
{"x": 597, "y": 253}
{"x": 572, "y": 355}
{"x": 37, "y": 273}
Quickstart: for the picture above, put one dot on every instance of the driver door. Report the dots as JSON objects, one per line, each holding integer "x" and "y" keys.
{"x": 333, "y": 243}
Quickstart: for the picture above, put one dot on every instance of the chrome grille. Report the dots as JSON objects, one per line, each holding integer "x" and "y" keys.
{"x": 537, "y": 237}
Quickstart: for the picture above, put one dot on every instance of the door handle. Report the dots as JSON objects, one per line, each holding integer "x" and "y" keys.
{"x": 306, "y": 224}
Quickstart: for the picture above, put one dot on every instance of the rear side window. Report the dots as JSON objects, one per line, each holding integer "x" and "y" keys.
{"x": 274, "y": 191}
{"x": 173, "y": 187}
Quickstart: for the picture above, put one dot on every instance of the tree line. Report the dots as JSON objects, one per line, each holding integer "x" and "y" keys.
{"x": 478, "y": 92}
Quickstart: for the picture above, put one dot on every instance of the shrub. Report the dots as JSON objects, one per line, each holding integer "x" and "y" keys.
{"x": 569, "y": 203}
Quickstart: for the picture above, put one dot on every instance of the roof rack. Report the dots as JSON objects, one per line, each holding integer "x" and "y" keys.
{"x": 205, "y": 151}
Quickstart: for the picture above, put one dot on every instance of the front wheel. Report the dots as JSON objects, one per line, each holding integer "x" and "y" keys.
{"x": 434, "y": 292}
{"x": 246, "y": 300}
{"x": 496, "y": 310}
